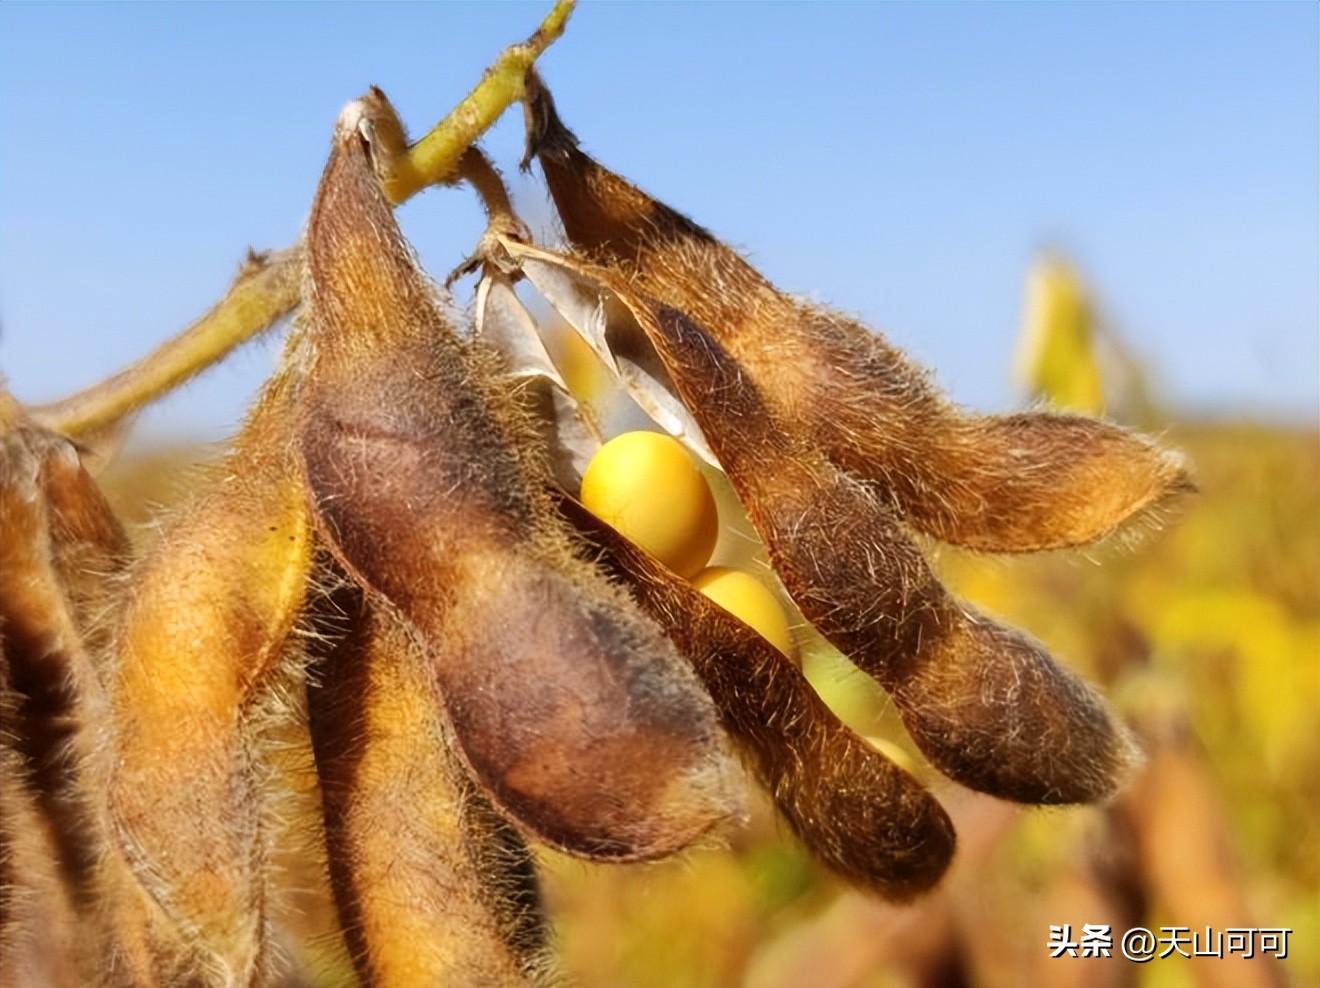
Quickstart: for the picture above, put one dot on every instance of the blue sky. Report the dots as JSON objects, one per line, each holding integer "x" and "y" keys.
{"x": 900, "y": 161}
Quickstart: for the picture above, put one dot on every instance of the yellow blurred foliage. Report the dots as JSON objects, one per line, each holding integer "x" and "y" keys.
{"x": 1056, "y": 350}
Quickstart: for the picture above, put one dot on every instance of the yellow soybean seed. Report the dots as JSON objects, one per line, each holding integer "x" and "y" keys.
{"x": 647, "y": 487}
{"x": 750, "y": 601}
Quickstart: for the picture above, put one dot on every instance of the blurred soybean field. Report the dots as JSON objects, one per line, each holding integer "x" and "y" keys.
{"x": 1205, "y": 633}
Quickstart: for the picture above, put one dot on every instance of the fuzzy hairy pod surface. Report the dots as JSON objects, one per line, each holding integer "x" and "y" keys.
{"x": 89, "y": 548}
{"x": 1004, "y": 483}
{"x": 986, "y": 704}
{"x": 432, "y": 886}
{"x": 74, "y": 913}
{"x": 211, "y": 616}
{"x": 836, "y": 444}
{"x": 60, "y": 548}
{"x": 569, "y": 706}
{"x": 861, "y": 815}
{"x": 56, "y": 693}
{"x": 855, "y": 810}
{"x": 37, "y": 914}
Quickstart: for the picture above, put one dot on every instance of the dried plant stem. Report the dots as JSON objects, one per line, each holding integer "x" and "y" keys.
{"x": 265, "y": 290}
{"x": 476, "y": 169}
{"x": 267, "y": 286}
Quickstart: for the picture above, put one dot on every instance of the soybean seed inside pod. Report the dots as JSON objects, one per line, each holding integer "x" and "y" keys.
{"x": 750, "y": 601}
{"x": 647, "y": 487}
{"x": 839, "y": 447}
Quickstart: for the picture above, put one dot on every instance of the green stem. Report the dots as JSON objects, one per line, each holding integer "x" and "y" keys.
{"x": 435, "y": 157}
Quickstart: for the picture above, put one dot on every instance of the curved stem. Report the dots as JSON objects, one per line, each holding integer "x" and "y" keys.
{"x": 267, "y": 286}
{"x": 265, "y": 290}
{"x": 434, "y": 158}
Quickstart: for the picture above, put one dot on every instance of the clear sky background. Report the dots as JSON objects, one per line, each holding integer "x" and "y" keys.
{"x": 902, "y": 162}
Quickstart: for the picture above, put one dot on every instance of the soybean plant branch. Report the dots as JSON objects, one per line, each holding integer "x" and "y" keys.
{"x": 267, "y": 287}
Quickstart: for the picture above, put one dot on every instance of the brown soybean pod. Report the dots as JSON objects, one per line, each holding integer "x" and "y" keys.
{"x": 208, "y": 621}
{"x": 57, "y": 696}
{"x": 62, "y": 554}
{"x": 569, "y": 706}
{"x": 38, "y": 917}
{"x": 987, "y": 704}
{"x": 431, "y": 885}
{"x": 999, "y": 483}
{"x": 89, "y": 547}
{"x": 859, "y": 813}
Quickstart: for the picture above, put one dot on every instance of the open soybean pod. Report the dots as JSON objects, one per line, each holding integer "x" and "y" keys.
{"x": 860, "y": 814}
{"x": 985, "y": 703}
{"x": 1009, "y": 483}
{"x": 569, "y": 706}
{"x": 201, "y": 646}
{"x": 864, "y": 817}
{"x": 432, "y": 886}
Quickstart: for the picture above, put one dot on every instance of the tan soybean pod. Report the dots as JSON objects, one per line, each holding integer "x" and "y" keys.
{"x": 89, "y": 547}
{"x": 569, "y": 706}
{"x": 57, "y": 692}
{"x": 864, "y": 817}
{"x": 986, "y": 704}
{"x": 38, "y": 916}
{"x": 60, "y": 560}
{"x": 999, "y": 483}
{"x": 211, "y": 614}
{"x": 432, "y": 886}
